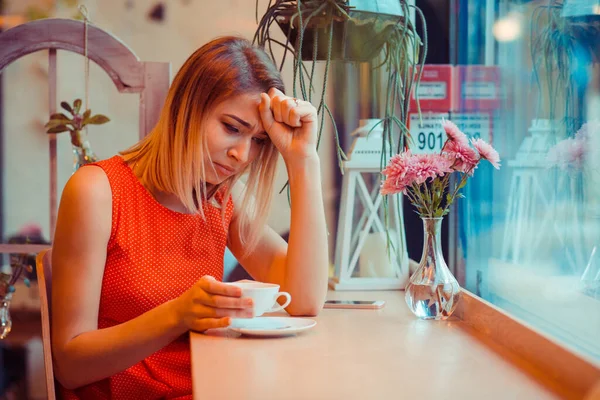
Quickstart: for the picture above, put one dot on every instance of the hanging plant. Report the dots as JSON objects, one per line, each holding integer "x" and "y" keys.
{"x": 59, "y": 122}
{"x": 350, "y": 31}
{"x": 561, "y": 49}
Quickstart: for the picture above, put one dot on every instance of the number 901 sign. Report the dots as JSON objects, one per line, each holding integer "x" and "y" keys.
{"x": 428, "y": 136}
{"x": 430, "y": 141}
{"x": 427, "y": 133}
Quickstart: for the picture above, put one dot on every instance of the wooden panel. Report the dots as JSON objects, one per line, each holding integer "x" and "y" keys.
{"x": 157, "y": 77}
{"x": 52, "y": 77}
{"x": 112, "y": 55}
{"x": 22, "y": 248}
{"x": 1, "y": 159}
{"x": 573, "y": 374}
{"x": 44, "y": 273}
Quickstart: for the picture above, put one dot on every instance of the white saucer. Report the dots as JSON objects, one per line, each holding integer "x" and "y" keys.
{"x": 271, "y": 326}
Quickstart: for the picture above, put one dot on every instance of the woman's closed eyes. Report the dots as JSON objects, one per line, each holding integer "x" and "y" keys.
{"x": 231, "y": 128}
{"x": 260, "y": 140}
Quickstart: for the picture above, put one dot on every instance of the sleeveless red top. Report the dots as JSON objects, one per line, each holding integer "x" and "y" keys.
{"x": 154, "y": 255}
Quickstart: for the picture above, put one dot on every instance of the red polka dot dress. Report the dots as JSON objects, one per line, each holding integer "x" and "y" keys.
{"x": 154, "y": 255}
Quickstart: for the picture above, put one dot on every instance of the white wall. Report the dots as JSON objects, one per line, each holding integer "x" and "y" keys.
{"x": 185, "y": 28}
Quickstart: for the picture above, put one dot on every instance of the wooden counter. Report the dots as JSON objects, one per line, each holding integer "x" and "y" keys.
{"x": 362, "y": 354}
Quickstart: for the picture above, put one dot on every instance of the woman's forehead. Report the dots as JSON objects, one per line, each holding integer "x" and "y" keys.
{"x": 244, "y": 107}
{"x": 246, "y": 100}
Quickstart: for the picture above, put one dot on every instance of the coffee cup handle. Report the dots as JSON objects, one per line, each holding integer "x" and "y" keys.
{"x": 280, "y": 307}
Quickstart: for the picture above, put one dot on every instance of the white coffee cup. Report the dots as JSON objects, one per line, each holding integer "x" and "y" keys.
{"x": 264, "y": 296}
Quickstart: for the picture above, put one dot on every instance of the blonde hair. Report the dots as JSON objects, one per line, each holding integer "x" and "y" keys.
{"x": 172, "y": 156}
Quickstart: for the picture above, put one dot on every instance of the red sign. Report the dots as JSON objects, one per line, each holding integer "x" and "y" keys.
{"x": 436, "y": 90}
{"x": 478, "y": 88}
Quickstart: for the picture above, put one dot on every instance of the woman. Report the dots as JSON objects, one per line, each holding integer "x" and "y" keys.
{"x": 140, "y": 237}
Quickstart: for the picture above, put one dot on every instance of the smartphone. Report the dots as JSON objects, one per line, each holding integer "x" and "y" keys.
{"x": 367, "y": 304}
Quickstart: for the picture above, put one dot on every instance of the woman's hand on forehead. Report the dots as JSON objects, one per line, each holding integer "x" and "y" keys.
{"x": 290, "y": 123}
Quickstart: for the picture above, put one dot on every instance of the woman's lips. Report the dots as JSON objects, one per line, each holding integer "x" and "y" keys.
{"x": 224, "y": 170}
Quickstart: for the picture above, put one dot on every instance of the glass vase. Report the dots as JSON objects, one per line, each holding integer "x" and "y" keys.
{"x": 83, "y": 155}
{"x": 432, "y": 291}
{"x": 5, "y": 321}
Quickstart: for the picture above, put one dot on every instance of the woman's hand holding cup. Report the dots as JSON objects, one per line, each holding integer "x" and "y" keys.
{"x": 211, "y": 304}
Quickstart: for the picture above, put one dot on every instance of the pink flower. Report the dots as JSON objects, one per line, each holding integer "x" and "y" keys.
{"x": 487, "y": 152}
{"x": 31, "y": 230}
{"x": 406, "y": 169}
{"x": 395, "y": 172}
{"x": 429, "y": 166}
{"x": 453, "y": 133}
{"x": 568, "y": 153}
{"x": 464, "y": 157}
{"x": 571, "y": 153}
{"x": 588, "y": 129}
{"x": 576, "y": 153}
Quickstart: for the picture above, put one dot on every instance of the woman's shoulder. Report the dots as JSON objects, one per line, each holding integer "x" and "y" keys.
{"x": 105, "y": 175}
{"x": 89, "y": 182}
{"x": 87, "y": 196}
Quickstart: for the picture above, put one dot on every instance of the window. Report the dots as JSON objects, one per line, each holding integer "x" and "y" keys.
{"x": 529, "y": 234}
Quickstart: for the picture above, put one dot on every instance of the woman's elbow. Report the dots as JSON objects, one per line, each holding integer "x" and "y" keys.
{"x": 66, "y": 380}
{"x": 305, "y": 310}
{"x": 66, "y": 376}
{"x": 67, "y": 384}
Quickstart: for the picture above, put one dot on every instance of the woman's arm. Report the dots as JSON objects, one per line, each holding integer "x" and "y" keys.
{"x": 307, "y": 263}
{"x": 83, "y": 353}
{"x": 302, "y": 266}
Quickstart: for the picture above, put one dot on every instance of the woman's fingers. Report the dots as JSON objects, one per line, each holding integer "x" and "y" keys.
{"x": 203, "y": 312}
{"x": 303, "y": 112}
{"x": 217, "y": 301}
{"x": 281, "y": 106}
{"x": 266, "y": 115}
{"x": 219, "y": 295}
{"x": 290, "y": 111}
{"x": 275, "y": 92}
{"x": 212, "y": 286}
{"x": 204, "y": 324}
{"x": 226, "y": 312}
{"x": 278, "y": 108}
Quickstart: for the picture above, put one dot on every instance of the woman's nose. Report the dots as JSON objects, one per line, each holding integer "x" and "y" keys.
{"x": 240, "y": 151}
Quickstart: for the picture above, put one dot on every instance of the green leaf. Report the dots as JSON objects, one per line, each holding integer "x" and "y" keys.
{"x": 58, "y": 129}
{"x": 53, "y": 123}
{"x": 462, "y": 184}
{"x": 98, "y": 119}
{"x": 59, "y": 117}
{"x": 66, "y": 106}
{"x": 77, "y": 105}
{"x": 85, "y": 116}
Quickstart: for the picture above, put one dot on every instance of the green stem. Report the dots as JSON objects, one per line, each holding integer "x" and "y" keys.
{"x": 457, "y": 188}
